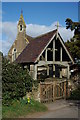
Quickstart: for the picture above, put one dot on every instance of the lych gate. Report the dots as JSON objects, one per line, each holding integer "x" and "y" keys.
{"x": 53, "y": 61}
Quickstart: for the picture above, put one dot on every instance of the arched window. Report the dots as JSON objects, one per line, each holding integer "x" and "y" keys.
{"x": 20, "y": 27}
{"x": 14, "y": 54}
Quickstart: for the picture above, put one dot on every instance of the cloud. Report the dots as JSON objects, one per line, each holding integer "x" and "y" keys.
{"x": 35, "y": 30}
{"x": 9, "y": 32}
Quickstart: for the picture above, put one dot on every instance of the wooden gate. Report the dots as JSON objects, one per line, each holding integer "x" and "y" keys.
{"x": 46, "y": 92}
{"x": 50, "y": 91}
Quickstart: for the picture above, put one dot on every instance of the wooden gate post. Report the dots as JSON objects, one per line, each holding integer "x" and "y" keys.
{"x": 54, "y": 84}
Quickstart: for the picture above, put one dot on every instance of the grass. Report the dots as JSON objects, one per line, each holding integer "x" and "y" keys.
{"x": 20, "y": 108}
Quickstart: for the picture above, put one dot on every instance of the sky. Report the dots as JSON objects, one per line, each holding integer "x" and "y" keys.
{"x": 40, "y": 17}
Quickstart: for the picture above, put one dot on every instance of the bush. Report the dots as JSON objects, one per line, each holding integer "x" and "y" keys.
{"x": 75, "y": 95}
{"x": 15, "y": 81}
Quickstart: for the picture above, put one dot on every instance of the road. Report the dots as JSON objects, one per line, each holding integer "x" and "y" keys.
{"x": 58, "y": 109}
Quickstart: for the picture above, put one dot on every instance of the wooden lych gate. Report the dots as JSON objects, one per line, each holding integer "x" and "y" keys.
{"x": 50, "y": 91}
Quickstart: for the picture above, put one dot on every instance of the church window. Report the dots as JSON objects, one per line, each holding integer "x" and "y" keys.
{"x": 14, "y": 54}
{"x": 20, "y": 27}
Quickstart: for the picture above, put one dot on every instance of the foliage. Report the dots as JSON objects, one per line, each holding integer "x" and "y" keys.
{"x": 15, "y": 81}
{"x": 74, "y": 43}
{"x": 1, "y": 54}
{"x": 74, "y": 48}
{"x": 75, "y": 95}
{"x": 73, "y": 26}
{"x": 20, "y": 108}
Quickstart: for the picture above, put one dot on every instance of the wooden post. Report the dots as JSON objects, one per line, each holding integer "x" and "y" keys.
{"x": 53, "y": 70}
{"x": 68, "y": 74}
{"x": 61, "y": 54}
{"x": 54, "y": 84}
{"x": 53, "y": 50}
{"x": 60, "y": 72}
{"x": 46, "y": 55}
{"x": 53, "y": 58}
{"x": 47, "y": 70}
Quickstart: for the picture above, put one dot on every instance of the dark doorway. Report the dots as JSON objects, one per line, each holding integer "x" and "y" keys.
{"x": 51, "y": 70}
{"x": 57, "y": 71}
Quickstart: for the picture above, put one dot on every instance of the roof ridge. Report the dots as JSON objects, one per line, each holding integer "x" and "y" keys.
{"x": 45, "y": 34}
{"x": 28, "y": 36}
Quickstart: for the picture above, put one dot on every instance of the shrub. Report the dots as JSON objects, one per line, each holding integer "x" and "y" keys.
{"x": 15, "y": 81}
{"x": 75, "y": 94}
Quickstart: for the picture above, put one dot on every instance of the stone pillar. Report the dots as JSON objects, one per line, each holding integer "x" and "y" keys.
{"x": 35, "y": 72}
{"x": 32, "y": 71}
{"x": 61, "y": 54}
{"x": 53, "y": 58}
{"x": 46, "y": 55}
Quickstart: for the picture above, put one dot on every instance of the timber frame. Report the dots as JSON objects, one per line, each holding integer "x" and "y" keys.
{"x": 45, "y": 63}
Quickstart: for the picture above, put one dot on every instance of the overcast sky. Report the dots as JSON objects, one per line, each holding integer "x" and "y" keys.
{"x": 39, "y": 18}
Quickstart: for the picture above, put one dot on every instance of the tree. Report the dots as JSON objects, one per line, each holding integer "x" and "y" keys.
{"x": 15, "y": 81}
{"x": 74, "y": 48}
{"x": 73, "y": 26}
{"x": 74, "y": 43}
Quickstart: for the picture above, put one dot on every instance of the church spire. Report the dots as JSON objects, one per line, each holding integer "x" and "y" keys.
{"x": 21, "y": 20}
{"x": 21, "y": 23}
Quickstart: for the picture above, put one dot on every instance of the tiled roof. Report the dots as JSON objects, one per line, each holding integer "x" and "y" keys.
{"x": 34, "y": 48}
{"x": 29, "y": 37}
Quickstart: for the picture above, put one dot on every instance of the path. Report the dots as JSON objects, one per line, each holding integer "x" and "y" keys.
{"x": 58, "y": 109}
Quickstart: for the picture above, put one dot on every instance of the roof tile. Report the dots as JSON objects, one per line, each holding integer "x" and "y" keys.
{"x": 34, "y": 48}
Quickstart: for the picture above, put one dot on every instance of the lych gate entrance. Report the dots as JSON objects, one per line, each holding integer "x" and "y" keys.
{"x": 50, "y": 91}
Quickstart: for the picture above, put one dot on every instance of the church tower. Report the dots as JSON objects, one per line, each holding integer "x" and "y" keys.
{"x": 21, "y": 24}
{"x": 21, "y": 40}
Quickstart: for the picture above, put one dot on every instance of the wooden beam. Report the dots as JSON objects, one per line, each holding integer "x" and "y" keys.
{"x": 53, "y": 50}
{"x": 63, "y": 63}
{"x": 68, "y": 72}
{"x": 47, "y": 70}
{"x": 46, "y": 54}
{"x": 61, "y": 54}
{"x": 65, "y": 49}
{"x": 45, "y": 48}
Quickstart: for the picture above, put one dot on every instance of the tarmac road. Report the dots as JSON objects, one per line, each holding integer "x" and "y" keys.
{"x": 58, "y": 109}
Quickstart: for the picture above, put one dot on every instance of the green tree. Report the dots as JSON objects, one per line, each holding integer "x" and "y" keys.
{"x": 15, "y": 81}
{"x": 74, "y": 43}
{"x": 73, "y": 26}
{"x": 74, "y": 48}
